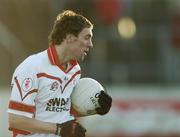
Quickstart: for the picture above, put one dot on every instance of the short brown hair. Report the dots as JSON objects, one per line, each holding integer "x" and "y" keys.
{"x": 68, "y": 22}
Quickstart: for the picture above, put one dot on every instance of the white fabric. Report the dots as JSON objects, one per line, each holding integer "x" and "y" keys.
{"x": 53, "y": 85}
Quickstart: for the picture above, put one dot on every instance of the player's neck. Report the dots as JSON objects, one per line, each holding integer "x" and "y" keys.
{"x": 63, "y": 55}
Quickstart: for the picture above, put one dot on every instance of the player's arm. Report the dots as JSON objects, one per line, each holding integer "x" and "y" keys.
{"x": 75, "y": 113}
{"x": 30, "y": 124}
{"x": 70, "y": 128}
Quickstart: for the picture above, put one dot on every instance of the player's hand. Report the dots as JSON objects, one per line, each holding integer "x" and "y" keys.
{"x": 71, "y": 129}
{"x": 105, "y": 102}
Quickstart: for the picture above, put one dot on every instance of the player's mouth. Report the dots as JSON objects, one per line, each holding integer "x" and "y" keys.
{"x": 86, "y": 52}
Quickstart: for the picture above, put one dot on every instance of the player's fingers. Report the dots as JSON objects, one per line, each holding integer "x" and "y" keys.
{"x": 104, "y": 103}
{"x": 80, "y": 132}
{"x": 80, "y": 128}
{"x": 100, "y": 111}
{"x": 104, "y": 97}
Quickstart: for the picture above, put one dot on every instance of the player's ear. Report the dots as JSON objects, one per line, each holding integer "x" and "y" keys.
{"x": 70, "y": 38}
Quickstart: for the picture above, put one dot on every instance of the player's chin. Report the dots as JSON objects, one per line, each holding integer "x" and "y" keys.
{"x": 81, "y": 58}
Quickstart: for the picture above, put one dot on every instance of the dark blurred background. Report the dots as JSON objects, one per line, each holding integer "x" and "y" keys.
{"x": 143, "y": 50}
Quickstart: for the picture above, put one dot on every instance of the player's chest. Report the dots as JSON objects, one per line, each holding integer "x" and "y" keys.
{"x": 56, "y": 82}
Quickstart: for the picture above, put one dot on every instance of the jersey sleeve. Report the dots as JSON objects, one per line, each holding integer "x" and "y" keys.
{"x": 24, "y": 87}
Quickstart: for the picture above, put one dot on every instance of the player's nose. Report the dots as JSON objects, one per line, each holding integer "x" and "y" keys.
{"x": 90, "y": 44}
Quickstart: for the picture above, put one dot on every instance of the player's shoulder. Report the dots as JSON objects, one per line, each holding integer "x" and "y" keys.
{"x": 31, "y": 63}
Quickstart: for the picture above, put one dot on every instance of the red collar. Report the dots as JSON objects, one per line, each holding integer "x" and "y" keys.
{"x": 53, "y": 57}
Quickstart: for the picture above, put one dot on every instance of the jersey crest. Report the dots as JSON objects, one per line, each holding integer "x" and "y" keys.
{"x": 27, "y": 84}
{"x": 54, "y": 86}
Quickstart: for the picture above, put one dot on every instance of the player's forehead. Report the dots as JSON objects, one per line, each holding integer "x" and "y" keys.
{"x": 86, "y": 32}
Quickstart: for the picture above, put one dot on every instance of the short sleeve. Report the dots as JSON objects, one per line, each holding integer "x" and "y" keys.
{"x": 24, "y": 87}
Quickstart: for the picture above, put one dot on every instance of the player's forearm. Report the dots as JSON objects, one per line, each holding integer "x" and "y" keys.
{"x": 31, "y": 124}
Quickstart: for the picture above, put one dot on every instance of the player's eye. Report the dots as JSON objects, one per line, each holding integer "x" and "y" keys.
{"x": 88, "y": 37}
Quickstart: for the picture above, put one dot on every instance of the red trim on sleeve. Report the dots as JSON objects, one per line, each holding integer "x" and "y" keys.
{"x": 48, "y": 76}
{"x": 18, "y": 131}
{"x": 22, "y": 107}
{"x": 78, "y": 72}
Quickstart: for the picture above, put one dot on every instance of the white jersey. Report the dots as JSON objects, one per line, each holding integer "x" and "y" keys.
{"x": 41, "y": 88}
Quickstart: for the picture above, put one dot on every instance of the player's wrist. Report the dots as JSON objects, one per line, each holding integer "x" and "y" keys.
{"x": 58, "y": 129}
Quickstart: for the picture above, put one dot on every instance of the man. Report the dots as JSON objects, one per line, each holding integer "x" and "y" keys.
{"x": 40, "y": 104}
